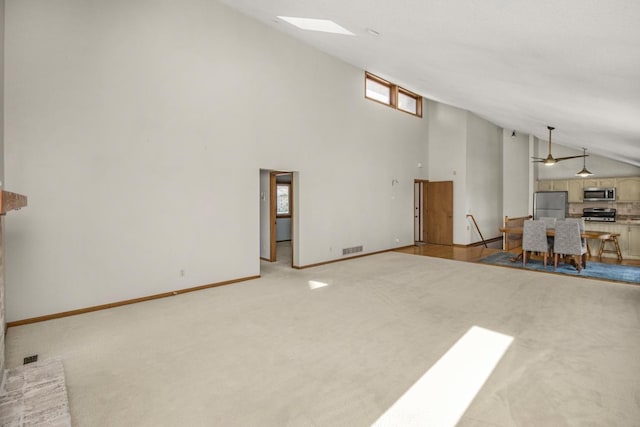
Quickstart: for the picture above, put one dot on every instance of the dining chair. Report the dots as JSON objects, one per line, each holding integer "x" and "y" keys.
{"x": 549, "y": 221}
{"x": 583, "y": 227}
{"x": 534, "y": 239}
{"x": 569, "y": 243}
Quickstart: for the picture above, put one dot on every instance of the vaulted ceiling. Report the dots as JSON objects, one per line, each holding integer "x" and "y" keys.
{"x": 521, "y": 64}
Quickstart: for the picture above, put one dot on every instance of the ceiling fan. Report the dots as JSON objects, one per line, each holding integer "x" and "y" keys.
{"x": 550, "y": 160}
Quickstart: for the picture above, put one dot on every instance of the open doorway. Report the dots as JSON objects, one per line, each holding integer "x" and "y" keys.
{"x": 277, "y": 217}
{"x": 420, "y": 211}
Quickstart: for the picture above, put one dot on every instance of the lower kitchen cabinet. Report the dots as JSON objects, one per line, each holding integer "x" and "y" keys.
{"x": 634, "y": 241}
{"x": 629, "y": 239}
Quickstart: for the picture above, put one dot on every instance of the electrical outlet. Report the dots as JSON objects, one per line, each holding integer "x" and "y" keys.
{"x": 181, "y": 273}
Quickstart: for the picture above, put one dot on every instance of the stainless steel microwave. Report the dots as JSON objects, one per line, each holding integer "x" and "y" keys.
{"x": 597, "y": 194}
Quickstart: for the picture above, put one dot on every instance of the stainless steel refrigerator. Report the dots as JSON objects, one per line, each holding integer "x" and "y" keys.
{"x": 553, "y": 204}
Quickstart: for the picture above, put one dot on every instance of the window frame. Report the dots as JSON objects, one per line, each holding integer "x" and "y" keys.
{"x": 415, "y": 96}
{"x": 383, "y": 82}
{"x": 394, "y": 92}
{"x": 283, "y": 184}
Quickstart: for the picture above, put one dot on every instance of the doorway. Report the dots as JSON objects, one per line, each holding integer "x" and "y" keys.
{"x": 277, "y": 217}
{"x": 281, "y": 216}
{"x": 420, "y": 189}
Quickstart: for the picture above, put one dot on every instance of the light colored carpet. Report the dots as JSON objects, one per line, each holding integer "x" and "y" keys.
{"x": 274, "y": 352}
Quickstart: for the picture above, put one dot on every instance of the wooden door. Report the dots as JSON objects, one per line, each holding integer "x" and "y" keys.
{"x": 440, "y": 212}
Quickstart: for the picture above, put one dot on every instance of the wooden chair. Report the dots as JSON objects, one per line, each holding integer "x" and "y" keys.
{"x": 512, "y": 241}
{"x": 613, "y": 238}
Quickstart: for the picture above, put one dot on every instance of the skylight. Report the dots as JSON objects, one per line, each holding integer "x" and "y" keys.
{"x": 310, "y": 24}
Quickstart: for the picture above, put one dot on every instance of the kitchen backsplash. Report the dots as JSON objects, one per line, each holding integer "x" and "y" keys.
{"x": 624, "y": 209}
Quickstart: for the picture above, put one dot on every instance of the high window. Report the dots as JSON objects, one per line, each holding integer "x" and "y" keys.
{"x": 383, "y": 91}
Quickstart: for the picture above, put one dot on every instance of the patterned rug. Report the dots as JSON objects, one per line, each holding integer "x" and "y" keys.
{"x": 35, "y": 395}
{"x": 597, "y": 270}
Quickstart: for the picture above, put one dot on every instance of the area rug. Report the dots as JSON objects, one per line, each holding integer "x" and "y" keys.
{"x": 596, "y": 270}
{"x": 35, "y": 395}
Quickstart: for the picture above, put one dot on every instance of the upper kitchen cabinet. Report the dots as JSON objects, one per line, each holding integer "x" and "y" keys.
{"x": 560, "y": 185}
{"x": 546, "y": 185}
{"x": 575, "y": 190}
{"x": 628, "y": 189}
{"x": 600, "y": 182}
{"x": 573, "y": 186}
{"x": 552, "y": 185}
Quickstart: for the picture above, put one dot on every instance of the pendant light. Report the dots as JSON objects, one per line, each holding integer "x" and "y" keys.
{"x": 584, "y": 172}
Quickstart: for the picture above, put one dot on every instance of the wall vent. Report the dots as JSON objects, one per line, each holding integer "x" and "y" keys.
{"x": 353, "y": 250}
{"x": 30, "y": 359}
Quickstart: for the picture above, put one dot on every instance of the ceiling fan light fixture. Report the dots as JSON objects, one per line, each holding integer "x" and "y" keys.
{"x": 550, "y": 160}
{"x": 584, "y": 172}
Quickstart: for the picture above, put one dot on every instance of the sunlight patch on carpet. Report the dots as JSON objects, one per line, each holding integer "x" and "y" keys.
{"x": 442, "y": 395}
{"x": 316, "y": 285}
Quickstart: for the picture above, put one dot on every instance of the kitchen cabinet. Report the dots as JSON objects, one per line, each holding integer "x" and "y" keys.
{"x": 552, "y": 185}
{"x": 600, "y": 182}
{"x": 575, "y": 190}
{"x": 628, "y": 189}
{"x": 546, "y": 185}
{"x": 560, "y": 185}
{"x": 634, "y": 241}
{"x": 629, "y": 239}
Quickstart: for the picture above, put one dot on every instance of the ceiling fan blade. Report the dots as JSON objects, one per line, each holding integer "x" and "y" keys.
{"x": 570, "y": 157}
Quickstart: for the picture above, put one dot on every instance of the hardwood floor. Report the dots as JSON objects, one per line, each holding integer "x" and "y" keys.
{"x": 476, "y": 253}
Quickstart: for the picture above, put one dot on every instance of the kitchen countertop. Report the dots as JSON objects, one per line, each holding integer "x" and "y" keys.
{"x": 620, "y": 220}
{"x": 628, "y": 221}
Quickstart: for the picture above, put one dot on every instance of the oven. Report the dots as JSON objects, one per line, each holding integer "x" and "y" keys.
{"x": 599, "y": 214}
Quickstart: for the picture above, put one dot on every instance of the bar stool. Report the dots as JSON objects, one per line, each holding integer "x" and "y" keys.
{"x": 613, "y": 237}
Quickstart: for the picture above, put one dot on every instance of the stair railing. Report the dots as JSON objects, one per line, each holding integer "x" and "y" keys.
{"x": 478, "y": 228}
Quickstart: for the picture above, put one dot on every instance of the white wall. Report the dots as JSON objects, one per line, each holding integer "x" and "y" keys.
{"x": 466, "y": 149}
{"x": 283, "y": 229}
{"x": 137, "y": 129}
{"x": 599, "y": 166}
{"x": 516, "y": 167}
{"x": 484, "y": 178}
{"x": 448, "y": 158}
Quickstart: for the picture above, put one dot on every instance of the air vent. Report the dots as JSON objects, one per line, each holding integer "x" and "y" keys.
{"x": 30, "y": 359}
{"x": 353, "y": 250}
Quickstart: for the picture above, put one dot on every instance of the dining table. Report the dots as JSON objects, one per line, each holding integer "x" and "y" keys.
{"x": 588, "y": 234}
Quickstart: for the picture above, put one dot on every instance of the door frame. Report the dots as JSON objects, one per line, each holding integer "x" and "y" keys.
{"x": 273, "y": 217}
{"x": 420, "y": 209}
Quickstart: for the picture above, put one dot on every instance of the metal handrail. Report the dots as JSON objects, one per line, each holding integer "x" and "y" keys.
{"x": 478, "y": 228}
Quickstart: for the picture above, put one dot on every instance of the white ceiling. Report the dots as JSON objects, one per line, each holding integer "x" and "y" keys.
{"x": 521, "y": 64}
